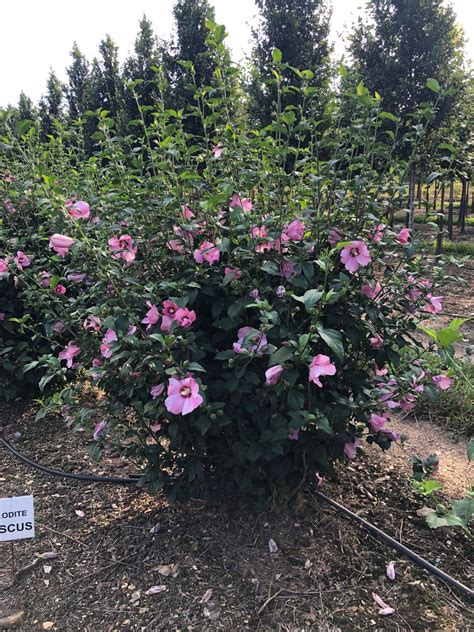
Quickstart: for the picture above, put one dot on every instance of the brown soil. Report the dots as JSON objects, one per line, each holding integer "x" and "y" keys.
{"x": 424, "y": 438}
{"x": 321, "y": 578}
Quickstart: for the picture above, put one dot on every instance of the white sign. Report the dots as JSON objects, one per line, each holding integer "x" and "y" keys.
{"x": 17, "y": 518}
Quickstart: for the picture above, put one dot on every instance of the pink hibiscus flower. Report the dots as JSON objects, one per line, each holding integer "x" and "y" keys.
{"x": 294, "y": 230}
{"x": 435, "y": 304}
{"x": 3, "y": 266}
{"x": 371, "y": 292}
{"x": 443, "y": 382}
{"x": 251, "y": 340}
{"x": 60, "y": 289}
{"x": 69, "y": 353}
{"x": 22, "y": 260}
{"x": 183, "y": 396}
{"x": 320, "y": 365}
{"x": 152, "y": 316}
{"x": 123, "y": 247}
{"x": 354, "y": 255}
{"x": 110, "y": 336}
{"x": 334, "y": 236}
{"x": 403, "y": 236}
{"x": 185, "y": 317}
{"x": 244, "y": 203}
{"x": 79, "y": 210}
{"x": 234, "y": 273}
{"x": 207, "y": 251}
{"x": 376, "y": 342}
{"x": 157, "y": 390}
{"x": 272, "y": 375}
{"x": 377, "y": 235}
{"x": 350, "y": 448}
{"x": 217, "y": 150}
{"x": 91, "y": 322}
{"x": 377, "y": 422}
{"x": 60, "y": 244}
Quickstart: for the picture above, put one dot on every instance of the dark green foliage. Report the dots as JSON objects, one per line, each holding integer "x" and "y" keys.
{"x": 401, "y": 45}
{"x": 300, "y": 30}
{"x": 50, "y": 105}
{"x": 189, "y": 44}
{"x": 138, "y": 70}
{"x": 78, "y": 79}
{"x": 25, "y": 107}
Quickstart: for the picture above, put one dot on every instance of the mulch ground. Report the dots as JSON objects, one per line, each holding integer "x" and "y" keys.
{"x": 214, "y": 560}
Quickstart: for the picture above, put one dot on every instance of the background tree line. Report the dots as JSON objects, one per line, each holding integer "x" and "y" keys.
{"x": 394, "y": 49}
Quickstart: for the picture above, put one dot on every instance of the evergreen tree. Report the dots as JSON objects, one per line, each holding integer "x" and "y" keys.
{"x": 25, "y": 107}
{"x": 50, "y": 105}
{"x": 189, "y": 44}
{"x": 300, "y": 30}
{"x": 138, "y": 67}
{"x": 78, "y": 76}
{"x": 401, "y": 45}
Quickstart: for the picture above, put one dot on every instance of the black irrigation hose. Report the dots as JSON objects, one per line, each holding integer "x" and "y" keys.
{"x": 91, "y": 478}
{"x": 398, "y": 546}
{"x": 372, "y": 529}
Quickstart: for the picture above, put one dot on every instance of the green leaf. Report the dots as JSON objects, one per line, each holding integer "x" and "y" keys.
{"x": 434, "y": 521}
{"x": 295, "y": 399}
{"x": 195, "y": 366}
{"x": 254, "y": 452}
{"x": 276, "y": 55}
{"x": 464, "y": 509}
{"x": 433, "y": 85}
{"x": 311, "y": 297}
{"x": 333, "y": 339}
{"x": 280, "y": 356}
{"x": 433, "y": 175}
{"x": 389, "y": 117}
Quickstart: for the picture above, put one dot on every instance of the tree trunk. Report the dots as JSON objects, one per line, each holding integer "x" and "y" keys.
{"x": 463, "y": 208}
{"x": 418, "y": 194}
{"x": 411, "y": 199}
{"x": 435, "y": 195}
{"x": 439, "y": 236}
{"x": 450, "y": 210}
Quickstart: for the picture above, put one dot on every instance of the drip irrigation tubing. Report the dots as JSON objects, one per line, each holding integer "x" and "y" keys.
{"x": 90, "y": 478}
{"x": 372, "y": 529}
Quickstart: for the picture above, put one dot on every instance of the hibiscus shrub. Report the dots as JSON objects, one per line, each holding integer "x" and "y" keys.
{"x": 239, "y": 300}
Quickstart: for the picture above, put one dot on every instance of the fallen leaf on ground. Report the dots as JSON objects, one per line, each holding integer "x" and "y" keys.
{"x": 168, "y": 570}
{"x": 49, "y": 555}
{"x": 379, "y": 601}
{"x": 153, "y": 590}
{"x": 207, "y": 595}
{"x": 386, "y": 611}
{"x": 47, "y": 625}
{"x": 156, "y": 528}
{"x": 272, "y": 546}
{"x": 12, "y": 619}
{"x": 390, "y": 570}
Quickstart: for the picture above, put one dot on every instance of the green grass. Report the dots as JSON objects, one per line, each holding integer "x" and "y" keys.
{"x": 463, "y": 248}
{"x": 423, "y": 219}
{"x": 454, "y": 408}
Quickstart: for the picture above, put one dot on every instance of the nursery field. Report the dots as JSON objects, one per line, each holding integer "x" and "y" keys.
{"x": 225, "y": 300}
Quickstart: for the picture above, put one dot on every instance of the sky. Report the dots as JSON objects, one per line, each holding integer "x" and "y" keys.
{"x": 37, "y": 35}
